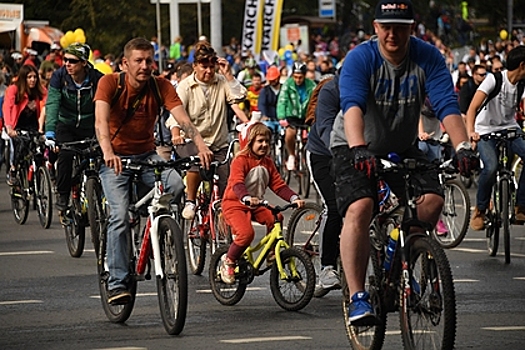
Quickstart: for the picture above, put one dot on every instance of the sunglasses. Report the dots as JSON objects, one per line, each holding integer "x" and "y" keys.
{"x": 481, "y": 74}
{"x": 71, "y": 60}
{"x": 208, "y": 61}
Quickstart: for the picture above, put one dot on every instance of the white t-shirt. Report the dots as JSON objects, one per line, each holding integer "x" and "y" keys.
{"x": 499, "y": 113}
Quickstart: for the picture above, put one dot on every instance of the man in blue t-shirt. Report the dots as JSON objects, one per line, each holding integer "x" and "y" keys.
{"x": 383, "y": 84}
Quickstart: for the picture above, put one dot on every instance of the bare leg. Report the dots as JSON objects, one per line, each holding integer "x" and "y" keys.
{"x": 193, "y": 180}
{"x": 429, "y": 208}
{"x": 289, "y": 139}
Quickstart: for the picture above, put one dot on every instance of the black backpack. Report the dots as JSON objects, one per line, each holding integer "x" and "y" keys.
{"x": 497, "y": 89}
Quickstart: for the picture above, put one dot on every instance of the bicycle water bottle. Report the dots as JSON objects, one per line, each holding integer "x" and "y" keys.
{"x": 30, "y": 173}
{"x": 391, "y": 248}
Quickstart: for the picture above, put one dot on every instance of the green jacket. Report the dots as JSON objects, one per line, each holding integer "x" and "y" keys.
{"x": 70, "y": 105}
{"x": 289, "y": 104}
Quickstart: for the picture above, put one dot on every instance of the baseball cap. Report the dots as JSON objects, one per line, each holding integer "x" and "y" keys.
{"x": 79, "y": 50}
{"x": 394, "y": 11}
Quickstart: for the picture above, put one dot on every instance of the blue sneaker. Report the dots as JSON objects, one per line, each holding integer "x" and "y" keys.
{"x": 360, "y": 312}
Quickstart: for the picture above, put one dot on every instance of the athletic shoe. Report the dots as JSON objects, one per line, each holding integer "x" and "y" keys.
{"x": 228, "y": 271}
{"x": 329, "y": 278}
{"x": 477, "y": 222}
{"x": 11, "y": 177}
{"x": 360, "y": 312}
{"x": 519, "y": 212}
{"x": 290, "y": 163}
{"x": 189, "y": 211}
{"x": 119, "y": 296}
{"x": 441, "y": 228}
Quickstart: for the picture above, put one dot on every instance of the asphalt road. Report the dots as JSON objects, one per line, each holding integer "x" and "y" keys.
{"x": 49, "y": 300}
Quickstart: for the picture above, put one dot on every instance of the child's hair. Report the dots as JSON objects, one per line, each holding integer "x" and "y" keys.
{"x": 248, "y": 136}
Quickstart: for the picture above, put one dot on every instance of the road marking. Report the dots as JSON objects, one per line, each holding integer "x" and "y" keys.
{"x": 16, "y": 302}
{"x": 482, "y": 251}
{"x": 207, "y": 291}
{"x": 265, "y": 339}
{"x": 137, "y": 295}
{"x": 505, "y": 328}
{"x": 519, "y": 278}
{"x": 124, "y": 348}
{"x": 465, "y": 281}
{"x": 474, "y": 240}
{"x": 28, "y": 252}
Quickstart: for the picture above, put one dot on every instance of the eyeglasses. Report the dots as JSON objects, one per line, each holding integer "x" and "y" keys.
{"x": 71, "y": 60}
{"x": 481, "y": 74}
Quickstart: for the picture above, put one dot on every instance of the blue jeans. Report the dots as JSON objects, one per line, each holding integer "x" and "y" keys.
{"x": 487, "y": 177}
{"x": 117, "y": 190}
{"x": 433, "y": 152}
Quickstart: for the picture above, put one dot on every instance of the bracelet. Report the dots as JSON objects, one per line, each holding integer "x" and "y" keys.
{"x": 463, "y": 145}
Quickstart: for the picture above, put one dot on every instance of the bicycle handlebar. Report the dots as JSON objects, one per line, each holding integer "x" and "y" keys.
{"x": 406, "y": 165}
{"x": 275, "y": 209}
{"x": 181, "y": 163}
{"x": 503, "y": 135}
{"x": 75, "y": 146}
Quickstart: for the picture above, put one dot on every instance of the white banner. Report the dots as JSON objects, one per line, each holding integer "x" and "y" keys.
{"x": 271, "y": 24}
{"x": 251, "y": 31}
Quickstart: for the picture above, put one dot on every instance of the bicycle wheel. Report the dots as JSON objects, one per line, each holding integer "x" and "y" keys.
{"x": 196, "y": 245}
{"x": 296, "y": 290}
{"x": 303, "y": 233}
{"x": 428, "y": 310}
{"x": 96, "y": 210}
{"x": 455, "y": 214}
{"x": 226, "y": 294}
{"x": 492, "y": 226}
{"x": 114, "y": 313}
{"x": 172, "y": 289}
{"x": 44, "y": 197}
{"x": 367, "y": 337}
{"x": 74, "y": 229}
{"x": 505, "y": 216}
{"x": 19, "y": 198}
{"x": 517, "y": 167}
{"x": 223, "y": 234}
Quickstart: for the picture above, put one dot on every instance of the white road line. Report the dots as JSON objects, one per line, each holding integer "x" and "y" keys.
{"x": 16, "y": 302}
{"x": 137, "y": 295}
{"x": 474, "y": 240}
{"x": 465, "y": 281}
{"x": 208, "y": 291}
{"x": 505, "y": 328}
{"x": 265, "y": 339}
{"x": 124, "y": 348}
{"x": 519, "y": 278}
{"x": 28, "y": 252}
{"x": 482, "y": 251}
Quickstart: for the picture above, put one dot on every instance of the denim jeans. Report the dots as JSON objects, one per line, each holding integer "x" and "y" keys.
{"x": 487, "y": 178}
{"x": 433, "y": 152}
{"x": 117, "y": 191}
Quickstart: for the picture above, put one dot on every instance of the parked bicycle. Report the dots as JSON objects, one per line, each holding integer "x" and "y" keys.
{"x": 160, "y": 243}
{"x": 86, "y": 198}
{"x": 208, "y": 226}
{"x": 407, "y": 272}
{"x": 32, "y": 184}
{"x": 292, "y": 275}
{"x": 500, "y": 214}
{"x": 301, "y": 171}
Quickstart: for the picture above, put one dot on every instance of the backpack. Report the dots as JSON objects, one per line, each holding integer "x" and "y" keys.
{"x": 497, "y": 89}
{"x": 309, "y": 119}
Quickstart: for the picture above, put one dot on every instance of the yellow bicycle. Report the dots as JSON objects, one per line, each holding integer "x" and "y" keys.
{"x": 292, "y": 274}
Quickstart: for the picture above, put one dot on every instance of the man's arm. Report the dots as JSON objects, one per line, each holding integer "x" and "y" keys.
{"x": 354, "y": 127}
{"x": 476, "y": 103}
{"x": 179, "y": 113}
{"x": 102, "y": 111}
{"x": 455, "y": 127}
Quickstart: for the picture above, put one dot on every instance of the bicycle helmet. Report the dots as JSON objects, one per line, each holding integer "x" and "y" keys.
{"x": 299, "y": 67}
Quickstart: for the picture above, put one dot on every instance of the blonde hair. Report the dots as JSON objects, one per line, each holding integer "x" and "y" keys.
{"x": 255, "y": 130}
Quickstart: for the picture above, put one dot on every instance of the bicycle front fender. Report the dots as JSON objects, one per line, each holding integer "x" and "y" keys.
{"x": 155, "y": 246}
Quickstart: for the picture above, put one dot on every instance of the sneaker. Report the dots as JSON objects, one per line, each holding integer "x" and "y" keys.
{"x": 62, "y": 202}
{"x": 477, "y": 222}
{"x": 119, "y": 296}
{"x": 519, "y": 213}
{"x": 329, "y": 278}
{"x": 11, "y": 177}
{"x": 360, "y": 312}
{"x": 228, "y": 271}
{"x": 441, "y": 228}
{"x": 189, "y": 211}
{"x": 290, "y": 163}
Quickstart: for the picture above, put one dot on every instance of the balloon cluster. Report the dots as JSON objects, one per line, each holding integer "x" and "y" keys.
{"x": 287, "y": 54}
{"x": 77, "y": 36}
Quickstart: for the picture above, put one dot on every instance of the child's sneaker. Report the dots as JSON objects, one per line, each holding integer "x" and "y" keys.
{"x": 290, "y": 163}
{"x": 360, "y": 311}
{"x": 189, "y": 211}
{"x": 441, "y": 228}
{"x": 228, "y": 271}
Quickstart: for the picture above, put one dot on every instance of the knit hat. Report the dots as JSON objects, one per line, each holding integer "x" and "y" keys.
{"x": 273, "y": 73}
{"x": 79, "y": 50}
{"x": 395, "y": 12}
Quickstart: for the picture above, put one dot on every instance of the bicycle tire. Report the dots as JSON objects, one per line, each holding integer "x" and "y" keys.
{"x": 505, "y": 216}
{"x": 455, "y": 214}
{"x": 172, "y": 289}
{"x": 428, "y": 320}
{"x": 226, "y": 294}
{"x": 367, "y": 337}
{"x": 19, "y": 199}
{"x": 304, "y": 173}
{"x": 196, "y": 246}
{"x": 517, "y": 167}
{"x": 492, "y": 226}
{"x": 114, "y": 313}
{"x": 223, "y": 235}
{"x": 44, "y": 197}
{"x": 96, "y": 210}
{"x": 75, "y": 230}
{"x": 303, "y": 226}
{"x": 293, "y": 293}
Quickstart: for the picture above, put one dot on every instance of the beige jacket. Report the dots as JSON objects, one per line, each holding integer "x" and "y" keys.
{"x": 209, "y": 112}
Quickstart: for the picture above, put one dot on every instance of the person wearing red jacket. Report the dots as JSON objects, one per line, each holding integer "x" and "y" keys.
{"x": 251, "y": 172}
{"x": 22, "y": 108}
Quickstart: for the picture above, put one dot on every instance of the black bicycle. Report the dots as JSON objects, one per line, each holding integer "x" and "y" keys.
{"x": 407, "y": 272}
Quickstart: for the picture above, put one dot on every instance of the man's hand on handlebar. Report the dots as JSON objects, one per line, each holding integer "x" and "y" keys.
{"x": 113, "y": 161}
{"x": 206, "y": 156}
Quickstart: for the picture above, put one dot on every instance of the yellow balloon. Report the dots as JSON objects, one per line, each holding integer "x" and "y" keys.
{"x": 103, "y": 67}
{"x": 63, "y": 42}
{"x": 70, "y": 37}
{"x": 79, "y": 31}
{"x": 80, "y": 38}
{"x": 288, "y": 47}
{"x": 281, "y": 52}
{"x": 503, "y": 34}
{"x": 294, "y": 56}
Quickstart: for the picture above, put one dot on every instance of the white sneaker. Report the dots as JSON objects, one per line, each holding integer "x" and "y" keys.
{"x": 329, "y": 278}
{"x": 189, "y": 211}
{"x": 290, "y": 163}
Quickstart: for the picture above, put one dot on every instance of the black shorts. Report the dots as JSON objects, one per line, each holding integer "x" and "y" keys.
{"x": 296, "y": 123}
{"x": 351, "y": 184}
